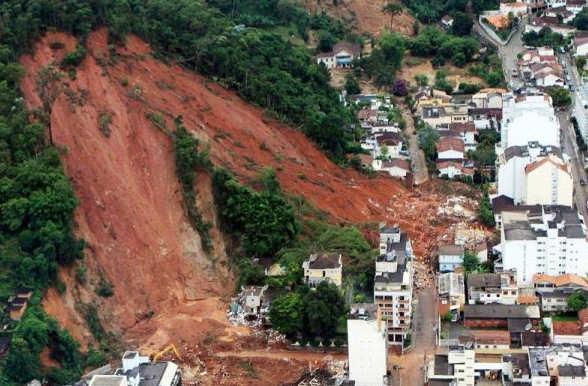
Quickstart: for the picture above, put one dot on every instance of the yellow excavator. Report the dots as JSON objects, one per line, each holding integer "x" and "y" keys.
{"x": 171, "y": 347}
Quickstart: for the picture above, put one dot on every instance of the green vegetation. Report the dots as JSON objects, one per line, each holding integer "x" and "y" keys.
{"x": 471, "y": 262}
{"x": 352, "y": 85}
{"x": 560, "y": 96}
{"x": 579, "y": 139}
{"x": 581, "y": 20}
{"x": 428, "y": 138}
{"x": 309, "y": 314}
{"x": 545, "y": 37}
{"x": 489, "y": 68}
{"x": 104, "y": 121}
{"x": 462, "y": 24}
{"x": 74, "y": 58}
{"x": 432, "y": 11}
{"x": 441, "y": 82}
{"x": 443, "y": 47}
{"x": 263, "y": 220}
{"x": 188, "y": 159}
{"x": 485, "y": 153}
{"x": 577, "y": 301}
{"x": 468, "y": 88}
{"x": 485, "y": 213}
{"x": 385, "y": 60}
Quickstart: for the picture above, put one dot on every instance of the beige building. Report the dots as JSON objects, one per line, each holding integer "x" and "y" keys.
{"x": 323, "y": 267}
{"x": 555, "y": 172}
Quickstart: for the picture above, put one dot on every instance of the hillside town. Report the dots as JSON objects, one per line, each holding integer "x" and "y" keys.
{"x": 344, "y": 209}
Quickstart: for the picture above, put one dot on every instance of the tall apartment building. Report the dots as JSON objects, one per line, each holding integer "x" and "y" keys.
{"x": 543, "y": 240}
{"x": 520, "y": 114}
{"x": 366, "y": 334}
{"x": 535, "y": 175}
{"x": 393, "y": 283}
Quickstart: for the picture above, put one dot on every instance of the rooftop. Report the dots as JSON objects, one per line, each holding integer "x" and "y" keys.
{"x": 451, "y": 249}
{"x": 571, "y": 371}
{"x": 500, "y": 311}
{"x": 519, "y": 362}
{"x": 442, "y": 366}
{"x": 363, "y": 311}
{"x": 561, "y": 280}
{"x": 108, "y": 380}
{"x": 479, "y": 280}
{"x": 567, "y": 327}
{"x": 450, "y": 143}
{"x": 538, "y": 363}
{"x": 324, "y": 261}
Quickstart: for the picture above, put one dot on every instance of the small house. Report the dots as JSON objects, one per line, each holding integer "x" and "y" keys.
{"x": 450, "y": 148}
{"x": 341, "y": 56}
{"x": 321, "y": 267}
{"x": 450, "y": 257}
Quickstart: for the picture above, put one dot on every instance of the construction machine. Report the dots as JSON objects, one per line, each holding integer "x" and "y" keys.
{"x": 156, "y": 357}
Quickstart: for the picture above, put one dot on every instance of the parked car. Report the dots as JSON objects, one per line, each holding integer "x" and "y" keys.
{"x": 582, "y": 182}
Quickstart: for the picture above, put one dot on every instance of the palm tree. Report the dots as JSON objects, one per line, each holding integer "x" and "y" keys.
{"x": 393, "y": 9}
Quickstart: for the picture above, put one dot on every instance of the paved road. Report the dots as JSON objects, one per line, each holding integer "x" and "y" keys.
{"x": 569, "y": 145}
{"x": 417, "y": 156}
{"x": 508, "y": 53}
{"x": 408, "y": 369}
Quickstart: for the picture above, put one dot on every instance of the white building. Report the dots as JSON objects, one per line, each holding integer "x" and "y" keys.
{"x": 450, "y": 257}
{"x": 538, "y": 366}
{"x": 393, "y": 283}
{"x": 534, "y": 174}
{"x": 451, "y": 290}
{"x": 581, "y": 46}
{"x": 528, "y": 119}
{"x": 543, "y": 240}
{"x": 450, "y": 148}
{"x": 342, "y": 56}
{"x": 366, "y": 334}
{"x": 138, "y": 370}
{"x": 457, "y": 367}
{"x": 548, "y": 181}
{"x": 486, "y": 288}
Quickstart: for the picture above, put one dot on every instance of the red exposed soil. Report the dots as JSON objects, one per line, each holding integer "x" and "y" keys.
{"x": 365, "y": 16}
{"x": 166, "y": 289}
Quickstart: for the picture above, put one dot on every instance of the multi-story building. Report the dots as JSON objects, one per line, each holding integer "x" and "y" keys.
{"x": 534, "y": 175}
{"x": 555, "y": 290}
{"x": 486, "y": 288}
{"x": 538, "y": 366}
{"x": 393, "y": 284}
{"x": 543, "y": 240}
{"x": 450, "y": 287}
{"x": 366, "y": 333}
{"x": 531, "y": 111}
{"x": 456, "y": 367}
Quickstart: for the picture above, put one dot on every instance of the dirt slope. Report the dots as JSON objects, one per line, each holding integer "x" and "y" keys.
{"x": 365, "y": 16}
{"x": 130, "y": 213}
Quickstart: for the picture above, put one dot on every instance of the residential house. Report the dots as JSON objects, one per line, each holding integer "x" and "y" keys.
{"x": 498, "y": 315}
{"x": 395, "y": 167}
{"x": 367, "y": 334}
{"x": 517, "y": 9}
{"x": 581, "y": 46}
{"x": 450, "y": 148}
{"x": 466, "y": 131}
{"x": 555, "y": 290}
{"x": 501, "y": 203}
{"x": 487, "y": 288}
{"x": 388, "y": 145}
{"x": 451, "y": 292}
{"x": 560, "y": 11}
{"x": 537, "y": 23}
{"x": 566, "y": 332}
{"x": 341, "y": 56}
{"x": 486, "y": 118}
{"x": 543, "y": 240}
{"x": 393, "y": 284}
{"x": 484, "y": 340}
{"x": 140, "y": 371}
{"x": 441, "y": 111}
{"x": 452, "y": 169}
{"x": 321, "y": 267}
{"x": 450, "y": 257}
{"x": 17, "y": 304}
{"x": 534, "y": 338}
{"x": 555, "y": 4}
{"x": 489, "y": 98}
{"x": 456, "y": 367}
{"x": 575, "y": 6}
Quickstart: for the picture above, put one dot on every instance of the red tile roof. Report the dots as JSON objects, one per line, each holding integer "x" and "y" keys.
{"x": 567, "y": 327}
{"x": 450, "y": 143}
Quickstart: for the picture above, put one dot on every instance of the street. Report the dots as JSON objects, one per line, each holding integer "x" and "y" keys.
{"x": 417, "y": 156}
{"x": 408, "y": 369}
{"x": 508, "y": 53}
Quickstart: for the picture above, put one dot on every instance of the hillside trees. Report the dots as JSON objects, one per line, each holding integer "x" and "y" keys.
{"x": 432, "y": 42}
{"x": 385, "y": 60}
{"x": 263, "y": 219}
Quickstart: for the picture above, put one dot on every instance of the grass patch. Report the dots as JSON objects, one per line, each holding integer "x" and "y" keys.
{"x": 104, "y": 121}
